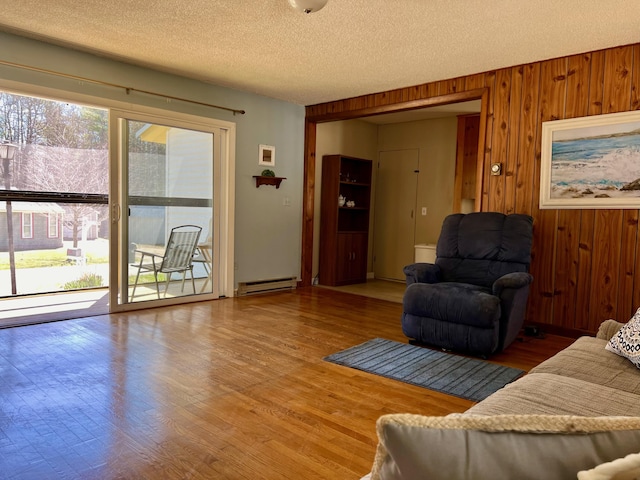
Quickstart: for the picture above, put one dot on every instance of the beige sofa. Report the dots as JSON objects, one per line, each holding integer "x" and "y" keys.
{"x": 572, "y": 413}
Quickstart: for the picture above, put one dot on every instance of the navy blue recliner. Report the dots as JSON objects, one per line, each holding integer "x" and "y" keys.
{"x": 473, "y": 299}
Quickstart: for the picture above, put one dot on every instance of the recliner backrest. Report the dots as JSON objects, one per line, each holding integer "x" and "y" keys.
{"x": 479, "y": 248}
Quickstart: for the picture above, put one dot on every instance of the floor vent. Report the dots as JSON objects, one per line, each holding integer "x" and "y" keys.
{"x": 262, "y": 286}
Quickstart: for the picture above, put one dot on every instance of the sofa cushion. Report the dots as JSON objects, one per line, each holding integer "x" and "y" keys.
{"x": 626, "y": 342}
{"x": 544, "y": 393}
{"x": 586, "y": 359}
{"x": 608, "y": 329}
{"x": 460, "y": 447}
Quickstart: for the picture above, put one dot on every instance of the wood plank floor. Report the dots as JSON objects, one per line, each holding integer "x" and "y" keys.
{"x": 375, "y": 288}
{"x": 228, "y": 389}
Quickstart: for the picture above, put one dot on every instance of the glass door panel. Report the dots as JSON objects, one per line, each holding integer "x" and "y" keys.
{"x": 53, "y": 197}
{"x": 168, "y": 229}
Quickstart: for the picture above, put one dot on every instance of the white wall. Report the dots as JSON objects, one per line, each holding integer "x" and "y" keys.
{"x": 267, "y": 233}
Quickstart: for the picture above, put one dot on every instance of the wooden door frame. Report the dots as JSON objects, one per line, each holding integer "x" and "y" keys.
{"x": 309, "y": 179}
{"x": 460, "y": 157}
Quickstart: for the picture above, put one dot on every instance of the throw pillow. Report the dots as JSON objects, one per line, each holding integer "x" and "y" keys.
{"x": 626, "y": 342}
{"x": 500, "y": 447}
{"x": 627, "y": 468}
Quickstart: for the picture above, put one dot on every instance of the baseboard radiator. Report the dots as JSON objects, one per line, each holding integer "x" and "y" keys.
{"x": 262, "y": 286}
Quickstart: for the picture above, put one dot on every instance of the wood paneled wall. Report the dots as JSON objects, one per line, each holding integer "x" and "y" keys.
{"x": 586, "y": 263}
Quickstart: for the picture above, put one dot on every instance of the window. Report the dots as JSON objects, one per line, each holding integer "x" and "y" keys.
{"x": 52, "y": 225}
{"x": 27, "y": 225}
{"x": 59, "y": 186}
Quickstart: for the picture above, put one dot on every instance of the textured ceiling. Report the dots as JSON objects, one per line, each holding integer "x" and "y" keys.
{"x": 349, "y": 48}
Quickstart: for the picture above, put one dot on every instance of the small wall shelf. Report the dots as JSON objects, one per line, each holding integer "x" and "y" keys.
{"x": 260, "y": 180}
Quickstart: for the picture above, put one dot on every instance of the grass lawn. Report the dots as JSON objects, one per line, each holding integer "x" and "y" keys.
{"x": 96, "y": 253}
{"x": 54, "y": 258}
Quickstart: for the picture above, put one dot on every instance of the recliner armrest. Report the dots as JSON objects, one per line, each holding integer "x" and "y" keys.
{"x": 513, "y": 280}
{"x": 422, "y": 273}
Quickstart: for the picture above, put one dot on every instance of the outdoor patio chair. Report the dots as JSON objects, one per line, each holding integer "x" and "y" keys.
{"x": 177, "y": 258}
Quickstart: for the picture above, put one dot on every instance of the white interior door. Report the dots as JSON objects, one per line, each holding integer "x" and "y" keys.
{"x": 395, "y": 204}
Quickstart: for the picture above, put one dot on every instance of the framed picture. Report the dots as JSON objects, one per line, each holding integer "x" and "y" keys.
{"x": 591, "y": 162}
{"x": 267, "y": 155}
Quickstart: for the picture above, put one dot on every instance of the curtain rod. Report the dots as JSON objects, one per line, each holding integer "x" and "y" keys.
{"x": 128, "y": 90}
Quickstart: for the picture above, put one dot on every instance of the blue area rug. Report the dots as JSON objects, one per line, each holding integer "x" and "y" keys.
{"x": 463, "y": 377}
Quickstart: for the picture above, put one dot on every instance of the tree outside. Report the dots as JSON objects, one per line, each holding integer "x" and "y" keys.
{"x": 62, "y": 148}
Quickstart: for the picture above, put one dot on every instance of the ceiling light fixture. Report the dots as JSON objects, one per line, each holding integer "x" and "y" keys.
{"x": 308, "y": 6}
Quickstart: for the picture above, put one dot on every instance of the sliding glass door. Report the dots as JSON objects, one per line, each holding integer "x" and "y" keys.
{"x": 167, "y": 215}
{"x": 53, "y": 196}
{"x": 89, "y": 197}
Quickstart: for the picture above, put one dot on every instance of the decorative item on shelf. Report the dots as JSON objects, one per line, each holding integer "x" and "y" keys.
{"x": 351, "y": 203}
{"x": 268, "y": 177}
{"x": 308, "y": 6}
{"x": 341, "y": 201}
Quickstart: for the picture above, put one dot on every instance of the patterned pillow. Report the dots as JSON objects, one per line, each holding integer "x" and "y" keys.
{"x": 626, "y": 342}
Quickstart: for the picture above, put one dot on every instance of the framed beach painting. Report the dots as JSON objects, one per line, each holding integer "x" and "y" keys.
{"x": 591, "y": 162}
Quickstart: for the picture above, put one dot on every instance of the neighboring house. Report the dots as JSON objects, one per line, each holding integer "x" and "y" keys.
{"x": 36, "y": 226}
{"x": 88, "y": 225}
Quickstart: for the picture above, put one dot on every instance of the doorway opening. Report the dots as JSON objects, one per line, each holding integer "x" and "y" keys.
{"x": 417, "y": 205}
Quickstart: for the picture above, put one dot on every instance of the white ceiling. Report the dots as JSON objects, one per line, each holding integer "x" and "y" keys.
{"x": 349, "y": 48}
